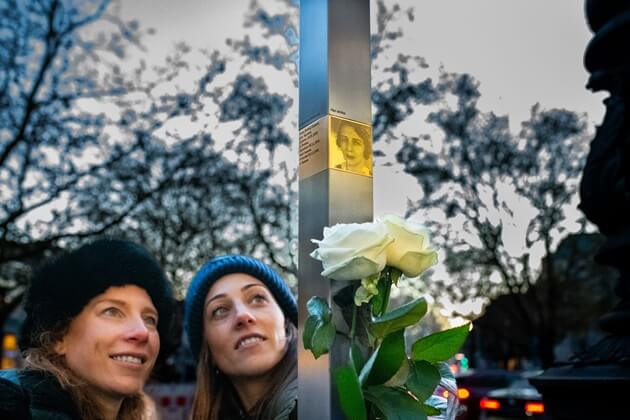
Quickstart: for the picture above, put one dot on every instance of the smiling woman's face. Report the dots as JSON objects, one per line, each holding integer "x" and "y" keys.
{"x": 244, "y": 327}
{"x": 113, "y": 343}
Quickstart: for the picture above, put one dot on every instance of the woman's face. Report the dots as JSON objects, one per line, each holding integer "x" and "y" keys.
{"x": 351, "y": 146}
{"x": 243, "y": 326}
{"x": 113, "y": 343}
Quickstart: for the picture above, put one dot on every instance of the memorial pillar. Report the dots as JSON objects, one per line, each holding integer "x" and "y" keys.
{"x": 335, "y": 166}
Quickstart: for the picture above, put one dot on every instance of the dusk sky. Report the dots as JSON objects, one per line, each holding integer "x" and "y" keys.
{"x": 522, "y": 53}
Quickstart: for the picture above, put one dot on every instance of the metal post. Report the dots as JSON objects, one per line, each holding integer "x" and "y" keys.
{"x": 335, "y": 164}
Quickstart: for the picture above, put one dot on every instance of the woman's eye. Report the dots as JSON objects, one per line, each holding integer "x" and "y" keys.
{"x": 151, "y": 321}
{"x": 259, "y": 299}
{"x": 218, "y": 312}
{"x": 112, "y": 311}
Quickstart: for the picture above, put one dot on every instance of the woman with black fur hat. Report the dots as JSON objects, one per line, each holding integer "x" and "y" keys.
{"x": 240, "y": 319}
{"x": 94, "y": 321}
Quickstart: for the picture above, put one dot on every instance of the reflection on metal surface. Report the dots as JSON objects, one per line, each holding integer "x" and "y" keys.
{"x": 349, "y": 85}
{"x": 335, "y": 74}
{"x": 313, "y": 96}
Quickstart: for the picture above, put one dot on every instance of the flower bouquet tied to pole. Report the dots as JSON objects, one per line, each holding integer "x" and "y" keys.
{"x": 380, "y": 379}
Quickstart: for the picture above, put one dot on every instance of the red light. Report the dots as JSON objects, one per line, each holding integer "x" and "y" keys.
{"x": 488, "y": 404}
{"x": 181, "y": 400}
{"x": 463, "y": 393}
{"x": 165, "y": 401}
{"x": 534, "y": 407}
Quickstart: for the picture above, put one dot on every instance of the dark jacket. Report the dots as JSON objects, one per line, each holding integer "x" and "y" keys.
{"x": 286, "y": 408}
{"x": 34, "y": 395}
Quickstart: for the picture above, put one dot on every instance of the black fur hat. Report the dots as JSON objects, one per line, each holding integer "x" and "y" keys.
{"x": 64, "y": 285}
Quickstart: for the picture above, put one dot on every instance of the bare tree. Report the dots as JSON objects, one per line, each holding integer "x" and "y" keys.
{"x": 503, "y": 199}
{"x": 88, "y": 148}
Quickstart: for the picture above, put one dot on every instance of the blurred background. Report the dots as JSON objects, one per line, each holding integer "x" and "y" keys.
{"x": 175, "y": 125}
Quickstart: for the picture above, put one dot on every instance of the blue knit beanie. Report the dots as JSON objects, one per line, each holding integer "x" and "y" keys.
{"x": 222, "y": 266}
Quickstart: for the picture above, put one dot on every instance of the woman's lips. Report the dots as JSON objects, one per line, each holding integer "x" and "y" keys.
{"x": 248, "y": 341}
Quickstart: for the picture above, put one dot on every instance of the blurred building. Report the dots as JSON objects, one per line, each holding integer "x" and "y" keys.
{"x": 577, "y": 289}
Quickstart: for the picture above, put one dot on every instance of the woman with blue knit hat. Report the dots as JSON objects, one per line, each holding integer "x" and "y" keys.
{"x": 95, "y": 318}
{"x": 240, "y": 318}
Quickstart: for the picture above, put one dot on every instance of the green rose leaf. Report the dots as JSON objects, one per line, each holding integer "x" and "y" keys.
{"x": 386, "y": 360}
{"x": 358, "y": 360}
{"x": 398, "y": 319}
{"x": 319, "y": 332}
{"x": 423, "y": 379}
{"x": 400, "y": 378}
{"x": 349, "y": 392}
{"x": 323, "y": 339}
{"x": 319, "y": 308}
{"x": 394, "y": 274}
{"x": 395, "y": 404}
{"x": 309, "y": 329}
{"x": 379, "y": 301}
{"x": 441, "y": 345}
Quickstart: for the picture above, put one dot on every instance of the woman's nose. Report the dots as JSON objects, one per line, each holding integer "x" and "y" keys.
{"x": 244, "y": 316}
{"x": 137, "y": 330}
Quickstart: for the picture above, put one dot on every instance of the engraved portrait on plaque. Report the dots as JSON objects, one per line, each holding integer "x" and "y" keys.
{"x": 350, "y": 146}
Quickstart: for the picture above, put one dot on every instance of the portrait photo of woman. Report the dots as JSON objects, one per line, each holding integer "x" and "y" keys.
{"x": 354, "y": 142}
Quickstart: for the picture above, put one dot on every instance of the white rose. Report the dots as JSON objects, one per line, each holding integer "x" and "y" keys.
{"x": 411, "y": 252}
{"x": 352, "y": 251}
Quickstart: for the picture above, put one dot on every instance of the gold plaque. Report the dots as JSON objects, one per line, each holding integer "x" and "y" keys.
{"x": 335, "y": 143}
{"x": 313, "y": 151}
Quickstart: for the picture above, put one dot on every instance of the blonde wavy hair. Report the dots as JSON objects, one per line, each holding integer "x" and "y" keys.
{"x": 43, "y": 357}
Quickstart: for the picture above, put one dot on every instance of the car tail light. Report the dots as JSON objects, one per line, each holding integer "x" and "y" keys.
{"x": 534, "y": 408}
{"x": 462, "y": 393}
{"x": 488, "y": 404}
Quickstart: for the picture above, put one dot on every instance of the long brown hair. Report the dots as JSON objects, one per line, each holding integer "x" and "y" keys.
{"x": 215, "y": 397}
{"x": 43, "y": 357}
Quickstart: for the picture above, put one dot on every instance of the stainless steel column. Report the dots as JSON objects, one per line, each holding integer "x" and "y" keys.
{"x": 335, "y": 164}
